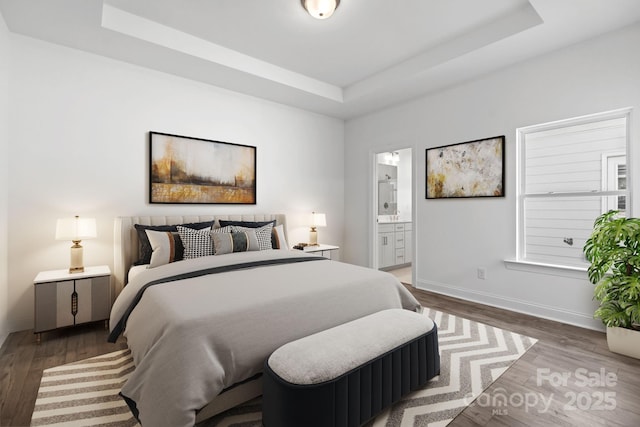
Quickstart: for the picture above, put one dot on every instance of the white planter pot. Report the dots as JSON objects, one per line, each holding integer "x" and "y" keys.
{"x": 624, "y": 341}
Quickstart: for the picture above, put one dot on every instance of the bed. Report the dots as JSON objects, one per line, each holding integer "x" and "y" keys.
{"x": 200, "y": 329}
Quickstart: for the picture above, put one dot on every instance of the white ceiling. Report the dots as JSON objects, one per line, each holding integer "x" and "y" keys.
{"x": 370, "y": 54}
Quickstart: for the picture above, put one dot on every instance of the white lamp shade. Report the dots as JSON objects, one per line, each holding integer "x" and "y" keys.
{"x": 320, "y": 9}
{"x": 318, "y": 220}
{"x": 76, "y": 228}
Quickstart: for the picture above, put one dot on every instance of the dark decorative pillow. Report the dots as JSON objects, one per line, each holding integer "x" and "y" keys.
{"x": 145, "y": 247}
{"x": 197, "y": 243}
{"x": 253, "y": 224}
{"x": 248, "y": 224}
{"x": 226, "y": 243}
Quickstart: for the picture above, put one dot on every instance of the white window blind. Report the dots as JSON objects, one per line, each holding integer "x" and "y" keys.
{"x": 569, "y": 173}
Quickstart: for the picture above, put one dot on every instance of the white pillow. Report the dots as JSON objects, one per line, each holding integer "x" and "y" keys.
{"x": 163, "y": 246}
{"x": 280, "y": 240}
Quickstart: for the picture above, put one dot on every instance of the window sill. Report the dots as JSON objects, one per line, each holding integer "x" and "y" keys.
{"x": 549, "y": 269}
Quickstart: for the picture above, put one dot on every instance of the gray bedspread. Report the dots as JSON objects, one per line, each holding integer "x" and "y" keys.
{"x": 190, "y": 339}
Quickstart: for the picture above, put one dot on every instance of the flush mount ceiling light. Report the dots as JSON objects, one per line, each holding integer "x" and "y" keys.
{"x": 320, "y": 9}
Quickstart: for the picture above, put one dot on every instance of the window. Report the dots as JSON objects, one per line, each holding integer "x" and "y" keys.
{"x": 569, "y": 172}
{"x": 615, "y": 168}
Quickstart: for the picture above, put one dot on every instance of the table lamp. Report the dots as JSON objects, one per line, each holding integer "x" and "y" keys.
{"x": 317, "y": 220}
{"x": 76, "y": 229}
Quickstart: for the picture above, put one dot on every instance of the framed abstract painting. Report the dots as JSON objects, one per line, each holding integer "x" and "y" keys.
{"x": 467, "y": 169}
{"x": 194, "y": 170}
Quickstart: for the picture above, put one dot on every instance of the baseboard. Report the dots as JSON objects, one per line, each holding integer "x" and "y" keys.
{"x": 520, "y": 306}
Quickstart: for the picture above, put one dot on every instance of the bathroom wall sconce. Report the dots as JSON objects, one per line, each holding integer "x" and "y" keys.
{"x": 392, "y": 158}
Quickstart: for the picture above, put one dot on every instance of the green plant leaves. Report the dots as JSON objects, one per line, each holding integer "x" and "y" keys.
{"x": 613, "y": 249}
{"x": 612, "y": 314}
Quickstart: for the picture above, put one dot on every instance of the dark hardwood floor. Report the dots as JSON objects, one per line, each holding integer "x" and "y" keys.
{"x": 22, "y": 361}
{"x": 568, "y": 378}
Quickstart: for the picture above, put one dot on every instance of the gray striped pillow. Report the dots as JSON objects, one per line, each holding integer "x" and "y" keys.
{"x": 226, "y": 243}
{"x": 262, "y": 233}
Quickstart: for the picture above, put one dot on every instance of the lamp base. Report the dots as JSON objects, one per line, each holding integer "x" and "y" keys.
{"x": 313, "y": 237}
{"x": 76, "y": 265}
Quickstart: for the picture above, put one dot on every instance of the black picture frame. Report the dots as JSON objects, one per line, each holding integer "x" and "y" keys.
{"x": 188, "y": 170}
{"x": 466, "y": 169}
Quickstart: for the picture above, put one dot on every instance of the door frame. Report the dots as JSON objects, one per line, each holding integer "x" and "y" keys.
{"x": 373, "y": 217}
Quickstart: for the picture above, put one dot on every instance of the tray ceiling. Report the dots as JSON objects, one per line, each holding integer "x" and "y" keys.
{"x": 369, "y": 55}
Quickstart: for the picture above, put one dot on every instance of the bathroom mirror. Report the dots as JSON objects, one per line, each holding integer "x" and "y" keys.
{"x": 387, "y": 189}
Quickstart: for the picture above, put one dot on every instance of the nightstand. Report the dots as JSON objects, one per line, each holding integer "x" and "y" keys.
{"x": 68, "y": 299}
{"x": 324, "y": 250}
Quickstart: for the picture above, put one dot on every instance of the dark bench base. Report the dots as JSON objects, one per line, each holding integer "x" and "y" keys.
{"x": 355, "y": 397}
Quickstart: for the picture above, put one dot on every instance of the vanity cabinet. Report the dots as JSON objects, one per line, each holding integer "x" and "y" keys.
{"x": 386, "y": 245}
{"x": 408, "y": 243}
{"x": 394, "y": 244}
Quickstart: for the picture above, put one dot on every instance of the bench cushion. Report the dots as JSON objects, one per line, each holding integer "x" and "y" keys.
{"x": 348, "y": 374}
{"x": 326, "y": 355}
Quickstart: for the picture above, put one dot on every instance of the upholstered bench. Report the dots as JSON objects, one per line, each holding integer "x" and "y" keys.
{"x": 346, "y": 375}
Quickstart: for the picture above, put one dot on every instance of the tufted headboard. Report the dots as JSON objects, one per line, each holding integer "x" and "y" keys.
{"x": 125, "y": 236}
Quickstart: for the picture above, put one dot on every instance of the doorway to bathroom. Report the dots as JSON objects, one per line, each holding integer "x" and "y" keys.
{"x": 393, "y": 214}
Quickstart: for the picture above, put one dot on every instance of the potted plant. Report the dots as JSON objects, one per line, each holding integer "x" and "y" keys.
{"x": 613, "y": 249}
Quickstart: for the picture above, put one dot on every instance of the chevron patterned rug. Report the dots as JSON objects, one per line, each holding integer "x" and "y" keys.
{"x": 473, "y": 355}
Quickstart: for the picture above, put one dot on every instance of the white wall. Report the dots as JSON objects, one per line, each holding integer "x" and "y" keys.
{"x": 404, "y": 184}
{"x": 455, "y": 237}
{"x": 79, "y": 128}
{"x": 4, "y": 178}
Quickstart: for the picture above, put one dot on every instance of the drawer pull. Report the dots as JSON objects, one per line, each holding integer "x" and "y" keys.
{"x": 74, "y": 303}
